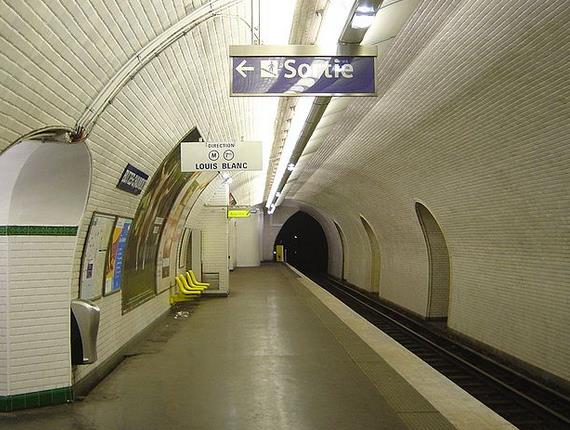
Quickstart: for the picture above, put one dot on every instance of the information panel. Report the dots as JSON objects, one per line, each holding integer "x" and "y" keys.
{"x": 94, "y": 255}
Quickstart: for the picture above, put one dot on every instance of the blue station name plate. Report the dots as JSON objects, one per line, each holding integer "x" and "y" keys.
{"x": 303, "y": 70}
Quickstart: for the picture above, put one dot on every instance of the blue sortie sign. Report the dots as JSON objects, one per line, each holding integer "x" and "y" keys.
{"x": 303, "y": 75}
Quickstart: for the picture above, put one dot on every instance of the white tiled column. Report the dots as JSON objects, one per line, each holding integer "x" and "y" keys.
{"x": 39, "y": 271}
{"x": 210, "y": 216}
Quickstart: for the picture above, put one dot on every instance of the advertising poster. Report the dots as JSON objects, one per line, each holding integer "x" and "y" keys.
{"x": 183, "y": 248}
{"x": 114, "y": 267}
{"x": 171, "y": 234}
{"x": 141, "y": 252}
{"x": 94, "y": 255}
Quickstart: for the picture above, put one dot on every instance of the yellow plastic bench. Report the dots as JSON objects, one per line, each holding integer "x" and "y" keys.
{"x": 184, "y": 288}
{"x": 178, "y": 298}
{"x": 192, "y": 284}
{"x": 191, "y": 275}
{"x": 185, "y": 293}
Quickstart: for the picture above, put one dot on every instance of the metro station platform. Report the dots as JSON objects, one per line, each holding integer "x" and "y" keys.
{"x": 278, "y": 353}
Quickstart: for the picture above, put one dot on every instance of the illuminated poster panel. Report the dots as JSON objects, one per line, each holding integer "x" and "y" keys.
{"x": 114, "y": 266}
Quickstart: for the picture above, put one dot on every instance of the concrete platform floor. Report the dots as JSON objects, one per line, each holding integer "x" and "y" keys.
{"x": 268, "y": 357}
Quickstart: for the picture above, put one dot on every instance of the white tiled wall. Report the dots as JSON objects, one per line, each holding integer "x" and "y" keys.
{"x": 210, "y": 216}
{"x": 115, "y": 329}
{"x": 38, "y": 312}
{"x": 472, "y": 121}
{"x": 141, "y": 125}
{"x": 247, "y": 241}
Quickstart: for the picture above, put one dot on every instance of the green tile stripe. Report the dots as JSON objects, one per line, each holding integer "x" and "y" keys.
{"x": 35, "y": 400}
{"x": 38, "y": 230}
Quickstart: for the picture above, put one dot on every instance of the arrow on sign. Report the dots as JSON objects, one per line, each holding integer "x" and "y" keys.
{"x": 241, "y": 69}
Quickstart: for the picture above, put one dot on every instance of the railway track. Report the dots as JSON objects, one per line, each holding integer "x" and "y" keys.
{"x": 522, "y": 401}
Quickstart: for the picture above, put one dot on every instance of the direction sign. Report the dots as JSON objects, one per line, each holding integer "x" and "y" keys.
{"x": 221, "y": 156}
{"x": 303, "y": 70}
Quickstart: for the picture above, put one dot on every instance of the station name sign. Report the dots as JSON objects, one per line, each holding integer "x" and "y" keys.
{"x": 132, "y": 180}
{"x": 303, "y": 70}
{"x": 221, "y": 156}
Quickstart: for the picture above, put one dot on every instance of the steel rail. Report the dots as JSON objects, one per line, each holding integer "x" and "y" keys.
{"x": 333, "y": 284}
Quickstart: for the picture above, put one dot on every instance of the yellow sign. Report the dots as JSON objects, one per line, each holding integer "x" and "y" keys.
{"x": 279, "y": 254}
{"x": 238, "y": 213}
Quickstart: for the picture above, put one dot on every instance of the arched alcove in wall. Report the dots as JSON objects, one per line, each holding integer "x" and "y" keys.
{"x": 374, "y": 256}
{"x": 344, "y": 250}
{"x": 439, "y": 271}
{"x": 44, "y": 183}
{"x": 305, "y": 243}
{"x": 44, "y": 187}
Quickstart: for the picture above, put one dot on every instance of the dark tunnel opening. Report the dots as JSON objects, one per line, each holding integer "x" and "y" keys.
{"x": 305, "y": 244}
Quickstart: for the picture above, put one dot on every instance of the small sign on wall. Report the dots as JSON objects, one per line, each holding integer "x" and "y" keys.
{"x": 279, "y": 253}
{"x": 132, "y": 180}
{"x": 239, "y": 213}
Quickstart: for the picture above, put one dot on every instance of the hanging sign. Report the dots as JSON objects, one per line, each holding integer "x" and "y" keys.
{"x": 221, "y": 156}
{"x": 303, "y": 70}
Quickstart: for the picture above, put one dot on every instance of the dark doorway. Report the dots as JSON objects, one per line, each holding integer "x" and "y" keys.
{"x": 305, "y": 243}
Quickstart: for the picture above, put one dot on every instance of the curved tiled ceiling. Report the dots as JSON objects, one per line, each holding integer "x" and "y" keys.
{"x": 64, "y": 61}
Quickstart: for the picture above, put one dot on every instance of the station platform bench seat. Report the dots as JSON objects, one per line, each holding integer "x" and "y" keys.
{"x": 191, "y": 278}
{"x": 185, "y": 293}
{"x": 189, "y": 288}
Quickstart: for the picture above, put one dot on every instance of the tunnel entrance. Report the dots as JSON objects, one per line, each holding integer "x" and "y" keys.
{"x": 305, "y": 243}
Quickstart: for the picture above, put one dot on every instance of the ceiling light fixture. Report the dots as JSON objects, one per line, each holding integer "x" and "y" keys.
{"x": 363, "y": 17}
{"x": 275, "y": 20}
{"x": 296, "y": 128}
{"x": 338, "y": 16}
